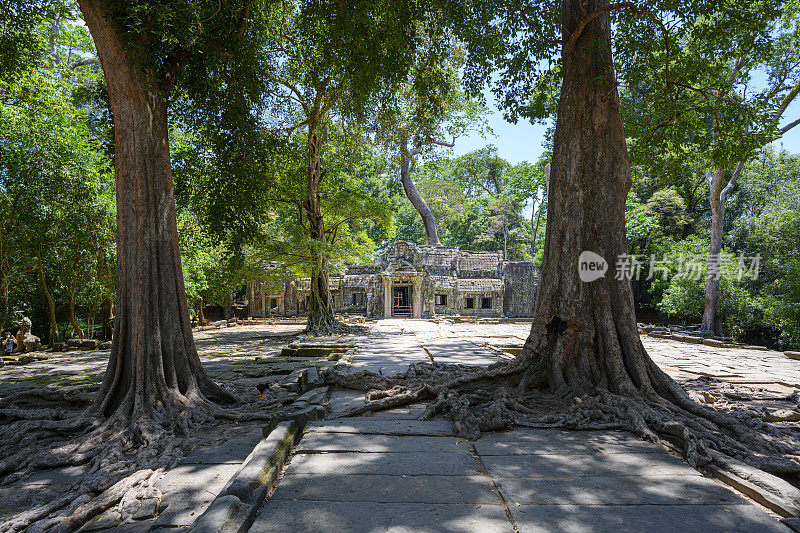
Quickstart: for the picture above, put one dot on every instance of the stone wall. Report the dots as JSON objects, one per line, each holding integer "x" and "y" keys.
{"x": 509, "y": 286}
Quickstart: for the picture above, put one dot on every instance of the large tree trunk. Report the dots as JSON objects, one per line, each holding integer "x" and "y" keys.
{"x": 584, "y": 345}
{"x": 154, "y": 371}
{"x": 321, "y": 319}
{"x": 711, "y": 319}
{"x": 431, "y": 232}
{"x": 584, "y": 335}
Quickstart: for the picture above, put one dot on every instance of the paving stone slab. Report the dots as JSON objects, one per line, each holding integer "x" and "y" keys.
{"x": 546, "y": 441}
{"x": 387, "y": 489}
{"x": 391, "y": 464}
{"x": 349, "y": 442}
{"x": 410, "y": 412}
{"x": 370, "y": 517}
{"x": 744, "y": 518}
{"x": 189, "y": 489}
{"x": 616, "y": 490}
{"x": 234, "y": 449}
{"x": 371, "y": 426}
{"x": 575, "y": 465}
{"x": 342, "y": 400}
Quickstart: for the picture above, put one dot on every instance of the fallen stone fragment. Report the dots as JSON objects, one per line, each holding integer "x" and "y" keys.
{"x": 782, "y": 415}
{"x": 687, "y": 338}
{"x": 714, "y": 343}
{"x": 89, "y": 344}
{"x": 310, "y": 379}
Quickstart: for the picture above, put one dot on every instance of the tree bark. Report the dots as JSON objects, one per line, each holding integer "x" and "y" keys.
{"x": 584, "y": 336}
{"x": 321, "y": 318}
{"x": 105, "y": 313}
{"x": 431, "y": 231}
{"x": 535, "y": 230}
{"x": 711, "y": 319}
{"x": 717, "y": 196}
{"x": 72, "y": 319}
{"x": 48, "y": 299}
{"x": 154, "y": 371}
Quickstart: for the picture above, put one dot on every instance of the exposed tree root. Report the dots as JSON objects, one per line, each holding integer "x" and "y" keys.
{"x": 325, "y": 326}
{"x": 507, "y": 394}
{"x": 123, "y": 455}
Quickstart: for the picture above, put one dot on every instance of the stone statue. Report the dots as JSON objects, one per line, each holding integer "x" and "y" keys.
{"x": 26, "y": 341}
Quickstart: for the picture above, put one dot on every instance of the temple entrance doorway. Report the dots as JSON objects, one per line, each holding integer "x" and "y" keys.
{"x": 401, "y": 300}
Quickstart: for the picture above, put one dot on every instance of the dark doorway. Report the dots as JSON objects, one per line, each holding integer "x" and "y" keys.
{"x": 401, "y": 300}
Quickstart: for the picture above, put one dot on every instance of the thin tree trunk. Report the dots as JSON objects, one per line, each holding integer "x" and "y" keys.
{"x": 49, "y": 300}
{"x": 711, "y": 321}
{"x": 536, "y": 231}
{"x": 431, "y": 231}
{"x": 154, "y": 371}
{"x": 505, "y": 239}
{"x": 321, "y": 318}
{"x": 105, "y": 314}
{"x": 584, "y": 335}
{"x": 72, "y": 319}
{"x": 718, "y": 196}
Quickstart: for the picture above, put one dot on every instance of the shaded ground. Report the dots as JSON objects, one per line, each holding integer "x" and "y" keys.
{"x": 407, "y": 475}
{"x": 247, "y": 360}
{"x": 379, "y": 474}
{"x": 390, "y": 471}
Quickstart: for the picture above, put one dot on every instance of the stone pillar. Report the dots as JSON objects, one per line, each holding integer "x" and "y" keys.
{"x": 416, "y": 297}
{"x": 387, "y": 297}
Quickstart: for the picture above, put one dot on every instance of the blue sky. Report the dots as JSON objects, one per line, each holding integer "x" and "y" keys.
{"x": 523, "y": 141}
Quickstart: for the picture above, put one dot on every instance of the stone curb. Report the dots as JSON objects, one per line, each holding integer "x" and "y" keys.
{"x": 347, "y": 359}
{"x": 792, "y": 523}
{"x": 762, "y": 496}
{"x": 714, "y": 343}
{"x": 236, "y": 506}
{"x": 771, "y": 491}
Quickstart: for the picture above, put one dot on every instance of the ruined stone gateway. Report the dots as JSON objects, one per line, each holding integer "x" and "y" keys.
{"x": 414, "y": 281}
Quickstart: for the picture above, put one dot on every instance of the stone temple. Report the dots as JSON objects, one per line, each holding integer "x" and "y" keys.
{"x": 413, "y": 281}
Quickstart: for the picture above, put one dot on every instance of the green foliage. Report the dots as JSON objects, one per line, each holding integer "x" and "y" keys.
{"x": 764, "y": 220}
{"x": 477, "y": 200}
{"x": 355, "y": 204}
{"x": 639, "y": 223}
{"x": 684, "y": 296}
{"x": 57, "y": 199}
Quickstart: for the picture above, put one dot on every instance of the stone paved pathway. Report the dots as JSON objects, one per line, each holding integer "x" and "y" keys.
{"x": 390, "y": 472}
{"x": 371, "y": 475}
